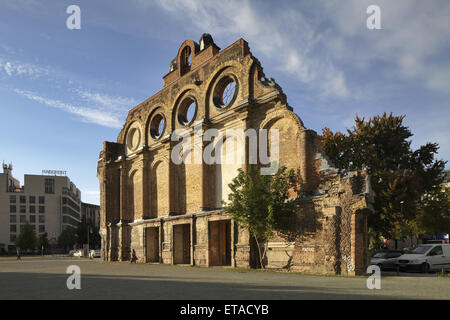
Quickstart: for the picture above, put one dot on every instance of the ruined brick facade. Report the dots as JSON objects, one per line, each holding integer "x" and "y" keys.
{"x": 171, "y": 213}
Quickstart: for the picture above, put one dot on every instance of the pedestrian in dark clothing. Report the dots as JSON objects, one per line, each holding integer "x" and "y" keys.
{"x": 133, "y": 256}
{"x": 18, "y": 255}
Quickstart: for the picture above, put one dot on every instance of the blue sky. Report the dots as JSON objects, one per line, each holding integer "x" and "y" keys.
{"x": 63, "y": 92}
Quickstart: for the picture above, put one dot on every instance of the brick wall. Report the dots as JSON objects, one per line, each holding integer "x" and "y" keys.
{"x": 142, "y": 188}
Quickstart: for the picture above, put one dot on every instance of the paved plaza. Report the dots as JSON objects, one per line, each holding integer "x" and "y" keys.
{"x": 45, "y": 278}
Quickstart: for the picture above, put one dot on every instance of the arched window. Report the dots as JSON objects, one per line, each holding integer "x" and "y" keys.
{"x": 186, "y": 59}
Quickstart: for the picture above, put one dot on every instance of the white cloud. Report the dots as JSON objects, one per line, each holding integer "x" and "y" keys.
{"x": 414, "y": 39}
{"x": 16, "y": 68}
{"x": 286, "y": 37}
{"x": 96, "y": 116}
{"x": 97, "y": 107}
{"x": 104, "y": 101}
{"x": 314, "y": 41}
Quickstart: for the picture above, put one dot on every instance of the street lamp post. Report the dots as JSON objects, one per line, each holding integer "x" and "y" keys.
{"x": 88, "y": 232}
{"x": 401, "y": 211}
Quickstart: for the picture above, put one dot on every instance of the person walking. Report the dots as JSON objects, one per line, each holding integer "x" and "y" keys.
{"x": 133, "y": 256}
{"x": 18, "y": 254}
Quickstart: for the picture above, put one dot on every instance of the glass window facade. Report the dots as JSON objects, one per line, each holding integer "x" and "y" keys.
{"x": 49, "y": 185}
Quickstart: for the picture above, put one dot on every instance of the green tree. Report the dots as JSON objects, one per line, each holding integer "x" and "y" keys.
{"x": 67, "y": 239}
{"x": 434, "y": 213}
{"x": 42, "y": 241}
{"x": 83, "y": 229}
{"x": 27, "y": 238}
{"x": 261, "y": 203}
{"x": 399, "y": 175}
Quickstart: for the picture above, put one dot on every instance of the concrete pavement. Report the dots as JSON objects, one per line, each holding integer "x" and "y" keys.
{"x": 45, "y": 278}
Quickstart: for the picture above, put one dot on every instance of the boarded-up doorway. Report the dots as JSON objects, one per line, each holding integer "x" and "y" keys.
{"x": 182, "y": 244}
{"x": 220, "y": 243}
{"x": 152, "y": 244}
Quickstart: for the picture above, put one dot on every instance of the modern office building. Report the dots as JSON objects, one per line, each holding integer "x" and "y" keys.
{"x": 49, "y": 202}
{"x": 92, "y": 214}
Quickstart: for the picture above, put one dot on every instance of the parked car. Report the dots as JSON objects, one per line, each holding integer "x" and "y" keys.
{"x": 78, "y": 253}
{"x": 94, "y": 254}
{"x": 425, "y": 258}
{"x": 386, "y": 259}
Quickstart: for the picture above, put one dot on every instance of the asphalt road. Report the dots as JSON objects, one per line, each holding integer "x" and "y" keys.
{"x": 45, "y": 278}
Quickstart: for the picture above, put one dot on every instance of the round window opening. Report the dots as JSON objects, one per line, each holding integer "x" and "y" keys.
{"x": 157, "y": 126}
{"x": 225, "y": 92}
{"x": 188, "y": 110}
{"x": 134, "y": 139}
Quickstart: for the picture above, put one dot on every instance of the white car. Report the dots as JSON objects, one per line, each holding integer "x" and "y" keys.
{"x": 426, "y": 257}
{"x": 78, "y": 253}
{"x": 94, "y": 254}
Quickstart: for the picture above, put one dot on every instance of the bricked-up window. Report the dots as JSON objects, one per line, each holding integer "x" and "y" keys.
{"x": 12, "y": 199}
{"x": 41, "y": 200}
{"x": 49, "y": 185}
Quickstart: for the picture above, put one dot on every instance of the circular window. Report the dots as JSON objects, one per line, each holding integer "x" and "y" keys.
{"x": 157, "y": 126}
{"x": 187, "y": 111}
{"x": 225, "y": 92}
{"x": 134, "y": 138}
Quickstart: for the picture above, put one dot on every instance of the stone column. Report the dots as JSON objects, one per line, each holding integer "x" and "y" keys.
{"x": 123, "y": 191}
{"x": 146, "y": 196}
{"x": 193, "y": 236}
{"x": 331, "y": 238}
{"x": 306, "y": 160}
{"x": 205, "y": 178}
{"x": 359, "y": 242}
{"x": 233, "y": 245}
{"x": 171, "y": 181}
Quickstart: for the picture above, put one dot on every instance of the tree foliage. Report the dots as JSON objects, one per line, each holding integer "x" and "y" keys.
{"x": 434, "y": 213}
{"x": 399, "y": 175}
{"x": 67, "y": 239}
{"x": 261, "y": 203}
{"x": 42, "y": 241}
{"x": 83, "y": 229}
{"x": 26, "y": 240}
